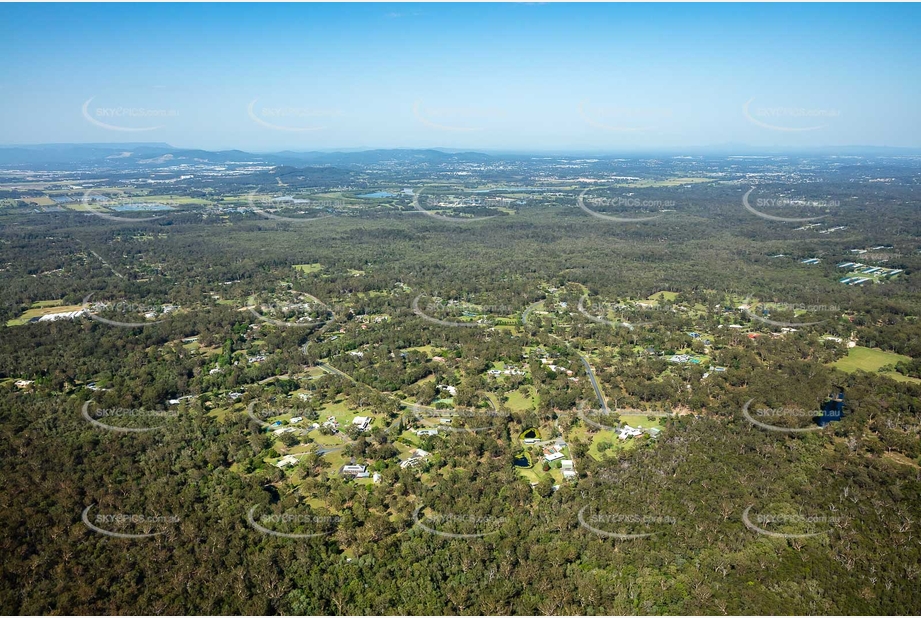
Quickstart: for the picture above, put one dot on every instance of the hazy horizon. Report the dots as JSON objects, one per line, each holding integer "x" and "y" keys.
{"x": 740, "y": 150}
{"x": 509, "y": 77}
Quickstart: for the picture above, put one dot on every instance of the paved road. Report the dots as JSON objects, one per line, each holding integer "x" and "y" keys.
{"x": 527, "y": 312}
{"x": 333, "y": 370}
{"x": 591, "y": 376}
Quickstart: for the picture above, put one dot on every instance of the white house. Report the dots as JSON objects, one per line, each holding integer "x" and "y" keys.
{"x": 287, "y": 460}
{"x": 362, "y": 422}
{"x": 569, "y": 471}
{"x": 628, "y": 432}
{"x": 356, "y": 471}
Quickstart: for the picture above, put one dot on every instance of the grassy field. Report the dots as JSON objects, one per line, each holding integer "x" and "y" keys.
{"x": 340, "y": 410}
{"x": 39, "y": 201}
{"x": 427, "y": 349}
{"x": 42, "y": 307}
{"x": 219, "y": 413}
{"x": 610, "y": 436}
{"x": 536, "y": 474}
{"x": 669, "y": 296}
{"x": 665, "y": 182}
{"x": 315, "y": 372}
{"x": 640, "y": 421}
{"x": 83, "y": 206}
{"x": 867, "y": 359}
{"x": 309, "y": 268}
{"x": 898, "y": 377}
{"x": 519, "y": 402}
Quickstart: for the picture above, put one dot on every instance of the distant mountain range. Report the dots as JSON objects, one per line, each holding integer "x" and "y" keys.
{"x": 158, "y": 155}
{"x": 155, "y": 155}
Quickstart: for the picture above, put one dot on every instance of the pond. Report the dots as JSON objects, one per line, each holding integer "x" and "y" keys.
{"x": 530, "y": 434}
{"x": 523, "y": 460}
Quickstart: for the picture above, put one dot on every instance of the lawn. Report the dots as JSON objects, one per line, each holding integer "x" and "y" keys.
{"x": 640, "y": 421}
{"x": 871, "y": 360}
{"x": 341, "y": 411}
{"x": 669, "y": 296}
{"x": 315, "y": 372}
{"x": 519, "y": 402}
{"x": 220, "y": 413}
{"x": 536, "y": 474}
{"x": 324, "y": 440}
{"x": 610, "y": 436}
{"x": 427, "y": 349}
{"x": 43, "y": 307}
{"x": 867, "y": 359}
{"x": 309, "y": 268}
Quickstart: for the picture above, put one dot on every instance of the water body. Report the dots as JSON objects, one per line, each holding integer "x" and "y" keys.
{"x": 522, "y": 460}
{"x": 377, "y": 195}
{"x": 140, "y": 207}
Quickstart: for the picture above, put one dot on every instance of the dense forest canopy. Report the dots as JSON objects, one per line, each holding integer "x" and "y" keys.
{"x": 151, "y": 461}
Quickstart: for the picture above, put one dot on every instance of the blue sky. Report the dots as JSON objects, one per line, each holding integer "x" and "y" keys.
{"x": 501, "y": 76}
